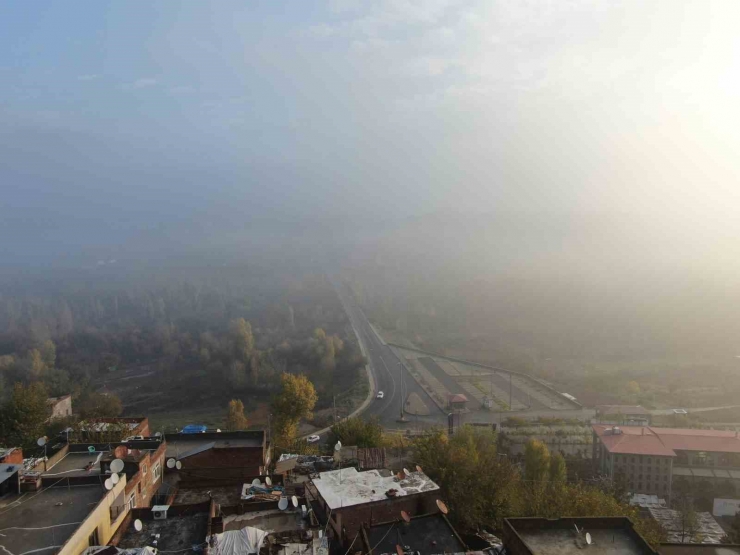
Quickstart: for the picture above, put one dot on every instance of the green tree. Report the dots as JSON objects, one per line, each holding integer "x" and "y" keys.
{"x": 91, "y": 404}
{"x": 24, "y": 415}
{"x": 358, "y": 432}
{"x": 35, "y": 364}
{"x": 296, "y": 400}
{"x": 633, "y": 388}
{"x": 235, "y": 418}
{"x": 558, "y": 470}
{"x": 241, "y": 333}
{"x": 49, "y": 353}
{"x": 536, "y": 461}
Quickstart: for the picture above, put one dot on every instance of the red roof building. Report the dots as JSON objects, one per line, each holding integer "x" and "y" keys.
{"x": 650, "y": 458}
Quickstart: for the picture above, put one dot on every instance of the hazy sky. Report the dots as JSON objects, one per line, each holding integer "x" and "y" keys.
{"x": 118, "y": 118}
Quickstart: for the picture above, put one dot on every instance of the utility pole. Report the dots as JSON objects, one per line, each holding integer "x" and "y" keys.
{"x": 510, "y": 406}
{"x": 400, "y": 370}
{"x": 335, "y": 409}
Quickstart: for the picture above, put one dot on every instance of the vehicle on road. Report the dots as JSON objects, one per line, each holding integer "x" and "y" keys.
{"x": 313, "y": 439}
{"x": 680, "y": 411}
{"x": 380, "y": 395}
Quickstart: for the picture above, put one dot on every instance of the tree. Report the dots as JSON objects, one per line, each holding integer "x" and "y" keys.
{"x": 35, "y": 363}
{"x": 358, "y": 432}
{"x": 49, "y": 353}
{"x": 536, "y": 461}
{"x": 733, "y": 535}
{"x": 295, "y": 401}
{"x": 235, "y": 419}
{"x": 24, "y": 415}
{"x": 633, "y": 388}
{"x": 91, "y": 404}
{"x": 687, "y": 523}
{"x": 241, "y": 333}
{"x": 558, "y": 470}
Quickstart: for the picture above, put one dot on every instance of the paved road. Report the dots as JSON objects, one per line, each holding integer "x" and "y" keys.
{"x": 390, "y": 377}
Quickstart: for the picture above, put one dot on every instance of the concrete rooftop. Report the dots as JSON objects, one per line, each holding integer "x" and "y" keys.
{"x": 73, "y": 464}
{"x": 175, "y": 533}
{"x": 347, "y": 487}
{"x": 563, "y": 541}
{"x": 36, "y": 521}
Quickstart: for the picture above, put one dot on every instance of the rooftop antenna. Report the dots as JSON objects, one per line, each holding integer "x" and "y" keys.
{"x": 116, "y": 465}
{"x": 171, "y": 463}
{"x": 337, "y": 449}
{"x": 283, "y": 503}
{"x": 442, "y": 507}
{"x": 41, "y": 442}
{"x": 138, "y": 525}
{"x": 294, "y": 500}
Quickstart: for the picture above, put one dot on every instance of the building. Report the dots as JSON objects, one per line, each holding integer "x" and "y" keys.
{"x": 65, "y": 516}
{"x": 561, "y": 536}
{"x": 350, "y": 498}
{"x": 10, "y": 479}
{"x": 11, "y": 455}
{"x": 110, "y": 429}
{"x": 424, "y": 534}
{"x": 629, "y": 415}
{"x": 705, "y": 529}
{"x": 458, "y": 402}
{"x": 650, "y": 458}
{"x": 226, "y": 456}
{"x": 143, "y": 466}
{"x": 59, "y": 407}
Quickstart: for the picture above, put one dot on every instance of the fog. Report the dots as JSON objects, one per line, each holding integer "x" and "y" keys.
{"x": 584, "y": 147}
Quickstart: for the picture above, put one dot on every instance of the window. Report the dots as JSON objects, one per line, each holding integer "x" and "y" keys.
{"x": 92, "y": 539}
{"x": 156, "y": 471}
{"x": 131, "y": 503}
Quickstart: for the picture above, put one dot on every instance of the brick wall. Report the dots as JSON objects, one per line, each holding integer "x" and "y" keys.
{"x": 233, "y": 463}
{"x": 144, "y": 484}
{"x": 14, "y": 457}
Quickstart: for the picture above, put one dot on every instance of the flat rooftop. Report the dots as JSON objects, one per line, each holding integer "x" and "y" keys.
{"x": 36, "y": 521}
{"x": 182, "y": 446}
{"x": 347, "y": 487}
{"x": 649, "y": 440}
{"x": 73, "y": 464}
{"x": 427, "y": 534}
{"x": 542, "y": 536}
{"x": 272, "y": 521}
{"x": 175, "y": 534}
{"x": 226, "y": 496}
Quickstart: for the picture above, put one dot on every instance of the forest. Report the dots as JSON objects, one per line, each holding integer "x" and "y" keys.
{"x": 169, "y": 339}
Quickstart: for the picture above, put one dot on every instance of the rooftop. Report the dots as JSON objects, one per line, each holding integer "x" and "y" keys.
{"x": 706, "y": 526}
{"x": 184, "y": 445}
{"x": 270, "y": 521}
{"x": 542, "y": 536}
{"x": 8, "y": 471}
{"x": 75, "y": 464}
{"x": 426, "y": 534}
{"x": 347, "y": 487}
{"x": 35, "y": 522}
{"x": 54, "y": 400}
{"x": 636, "y": 410}
{"x": 647, "y": 440}
{"x": 176, "y": 533}
{"x": 105, "y": 424}
{"x": 5, "y": 451}
{"x": 226, "y": 496}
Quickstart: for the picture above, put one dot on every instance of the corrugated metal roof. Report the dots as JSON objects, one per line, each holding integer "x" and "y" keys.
{"x": 647, "y": 440}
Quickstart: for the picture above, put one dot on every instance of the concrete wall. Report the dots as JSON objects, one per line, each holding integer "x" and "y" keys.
{"x": 98, "y": 519}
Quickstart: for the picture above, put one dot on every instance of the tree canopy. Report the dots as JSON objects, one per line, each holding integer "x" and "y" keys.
{"x": 235, "y": 418}
{"x": 295, "y": 401}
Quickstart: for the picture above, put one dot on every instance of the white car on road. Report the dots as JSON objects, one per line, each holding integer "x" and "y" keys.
{"x": 380, "y": 395}
{"x": 313, "y": 439}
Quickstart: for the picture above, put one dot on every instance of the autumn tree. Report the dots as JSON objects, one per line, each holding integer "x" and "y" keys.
{"x": 91, "y": 404}
{"x": 49, "y": 353}
{"x": 35, "y": 364}
{"x": 241, "y": 333}
{"x": 358, "y": 432}
{"x": 295, "y": 401}
{"x": 558, "y": 470}
{"x": 235, "y": 418}
{"x": 24, "y": 415}
{"x": 536, "y": 461}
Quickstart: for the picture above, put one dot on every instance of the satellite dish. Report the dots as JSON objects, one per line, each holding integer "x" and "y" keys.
{"x": 588, "y": 539}
{"x": 256, "y": 482}
{"x": 91, "y": 449}
{"x": 115, "y": 478}
{"x": 399, "y": 550}
{"x": 218, "y": 430}
{"x": 268, "y": 480}
{"x": 283, "y": 503}
{"x": 418, "y": 468}
{"x": 41, "y": 441}
{"x": 267, "y": 461}
{"x": 442, "y": 507}
{"x": 405, "y": 516}
{"x": 406, "y": 472}
{"x": 138, "y": 526}
{"x": 158, "y": 434}
{"x": 338, "y": 446}
{"x": 116, "y": 465}
{"x": 178, "y": 465}
{"x": 294, "y": 500}
{"x": 171, "y": 463}
{"x": 109, "y": 484}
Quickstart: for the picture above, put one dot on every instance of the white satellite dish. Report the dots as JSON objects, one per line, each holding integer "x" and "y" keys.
{"x": 115, "y": 478}
{"x": 406, "y": 472}
{"x": 116, "y": 465}
{"x": 138, "y": 526}
{"x": 178, "y": 465}
{"x": 171, "y": 463}
{"x": 108, "y": 484}
{"x": 589, "y": 541}
{"x": 268, "y": 480}
{"x": 338, "y": 446}
{"x": 256, "y": 482}
{"x": 158, "y": 434}
{"x": 218, "y": 430}
{"x": 283, "y": 503}
{"x": 294, "y": 500}
{"x": 41, "y": 441}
